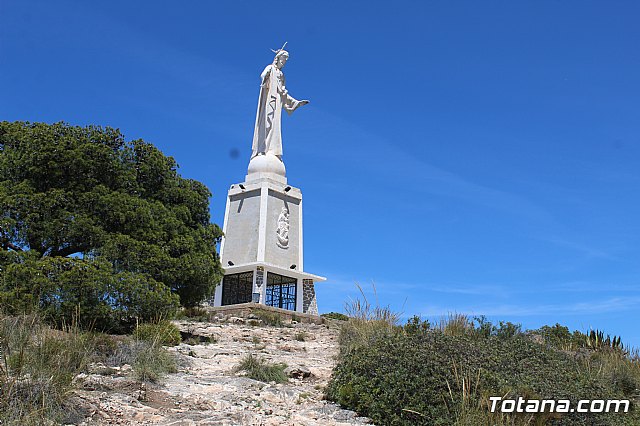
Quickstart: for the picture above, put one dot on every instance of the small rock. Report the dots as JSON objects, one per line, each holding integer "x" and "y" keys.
{"x": 236, "y": 320}
{"x": 300, "y": 372}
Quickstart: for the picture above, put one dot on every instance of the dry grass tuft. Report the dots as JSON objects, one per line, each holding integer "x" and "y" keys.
{"x": 366, "y": 322}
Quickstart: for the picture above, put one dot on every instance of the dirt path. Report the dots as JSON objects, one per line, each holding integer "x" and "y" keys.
{"x": 208, "y": 391}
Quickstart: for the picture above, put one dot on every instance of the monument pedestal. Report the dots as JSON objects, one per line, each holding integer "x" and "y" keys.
{"x": 262, "y": 250}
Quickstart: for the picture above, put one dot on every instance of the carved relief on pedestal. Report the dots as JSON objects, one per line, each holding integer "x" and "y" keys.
{"x": 283, "y": 229}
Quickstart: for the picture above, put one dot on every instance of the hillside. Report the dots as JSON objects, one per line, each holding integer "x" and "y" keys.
{"x": 207, "y": 390}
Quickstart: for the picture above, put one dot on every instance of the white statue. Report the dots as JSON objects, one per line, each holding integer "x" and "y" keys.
{"x": 267, "y": 137}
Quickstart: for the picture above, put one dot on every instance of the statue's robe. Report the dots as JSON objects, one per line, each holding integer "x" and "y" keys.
{"x": 267, "y": 136}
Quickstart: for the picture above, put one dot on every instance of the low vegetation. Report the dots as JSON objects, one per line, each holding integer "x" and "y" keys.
{"x": 444, "y": 374}
{"x": 196, "y": 313}
{"x": 151, "y": 361}
{"x": 269, "y": 318}
{"x": 335, "y": 316}
{"x": 163, "y": 333}
{"x": 262, "y": 370}
{"x": 38, "y": 364}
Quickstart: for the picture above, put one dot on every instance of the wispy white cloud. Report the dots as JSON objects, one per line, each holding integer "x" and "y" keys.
{"x": 591, "y": 287}
{"x": 470, "y": 289}
{"x": 342, "y": 284}
{"x": 612, "y": 304}
{"x": 589, "y": 251}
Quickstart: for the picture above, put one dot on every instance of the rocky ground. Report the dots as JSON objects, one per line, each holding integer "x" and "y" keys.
{"x": 207, "y": 390}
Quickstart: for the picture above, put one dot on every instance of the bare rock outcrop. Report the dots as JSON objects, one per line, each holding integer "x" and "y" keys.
{"x": 208, "y": 390}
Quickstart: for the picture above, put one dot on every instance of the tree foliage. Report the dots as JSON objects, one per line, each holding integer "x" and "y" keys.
{"x": 94, "y": 208}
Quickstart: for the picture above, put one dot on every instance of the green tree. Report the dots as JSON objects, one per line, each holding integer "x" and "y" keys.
{"x": 87, "y": 194}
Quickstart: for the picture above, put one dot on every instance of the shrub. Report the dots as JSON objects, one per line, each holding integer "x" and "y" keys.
{"x": 560, "y": 337}
{"x": 83, "y": 292}
{"x": 104, "y": 346}
{"x": 195, "y": 313}
{"x": 301, "y": 336}
{"x": 335, "y": 316}
{"x": 415, "y": 325}
{"x": 163, "y": 333}
{"x": 507, "y": 330}
{"x": 616, "y": 368}
{"x": 426, "y": 372}
{"x": 444, "y": 376}
{"x": 259, "y": 369}
{"x": 269, "y": 318}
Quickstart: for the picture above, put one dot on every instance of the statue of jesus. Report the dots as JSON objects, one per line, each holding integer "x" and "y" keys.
{"x": 267, "y": 137}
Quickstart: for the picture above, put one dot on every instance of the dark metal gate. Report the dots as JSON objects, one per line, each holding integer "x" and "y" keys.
{"x": 237, "y": 288}
{"x": 281, "y": 291}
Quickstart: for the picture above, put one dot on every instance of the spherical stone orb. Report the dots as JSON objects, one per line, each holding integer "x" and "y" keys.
{"x": 267, "y": 163}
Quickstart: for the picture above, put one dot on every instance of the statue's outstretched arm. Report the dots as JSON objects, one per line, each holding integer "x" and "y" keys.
{"x": 291, "y": 104}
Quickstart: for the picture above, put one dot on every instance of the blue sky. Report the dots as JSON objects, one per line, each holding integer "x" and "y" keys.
{"x": 470, "y": 157}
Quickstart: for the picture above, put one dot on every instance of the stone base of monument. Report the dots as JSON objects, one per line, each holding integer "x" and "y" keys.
{"x": 253, "y": 311}
{"x": 262, "y": 250}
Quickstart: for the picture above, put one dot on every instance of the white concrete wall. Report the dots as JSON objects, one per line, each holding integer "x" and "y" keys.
{"x": 241, "y": 235}
{"x": 274, "y": 254}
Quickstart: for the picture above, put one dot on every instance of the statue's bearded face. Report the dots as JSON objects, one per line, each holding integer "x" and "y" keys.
{"x": 282, "y": 59}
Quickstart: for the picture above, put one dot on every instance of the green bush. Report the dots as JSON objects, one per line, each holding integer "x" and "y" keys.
{"x": 559, "y": 337}
{"x": 259, "y": 369}
{"x": 164, "y": 333}
{"x": 415, "y": 325}
{"x": 84, "y": 292}
{"x": 196, "y": 313}
{"x": 445, "y": 376}
{"x": 335, "y": 316}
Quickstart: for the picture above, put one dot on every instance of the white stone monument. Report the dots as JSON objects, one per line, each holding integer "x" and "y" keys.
{"x": 261, "y": 251}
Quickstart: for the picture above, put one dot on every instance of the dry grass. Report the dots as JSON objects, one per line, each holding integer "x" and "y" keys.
{"x": 616, "y": 366}
{"x": 366, "y": 321}
{"x": 455, "y": 324}
{"x": 259, "y": 369}
{"x": 37, "y": 366}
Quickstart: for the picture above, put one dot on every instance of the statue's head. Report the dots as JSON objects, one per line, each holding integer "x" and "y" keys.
{"x": 281, "y": 58}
